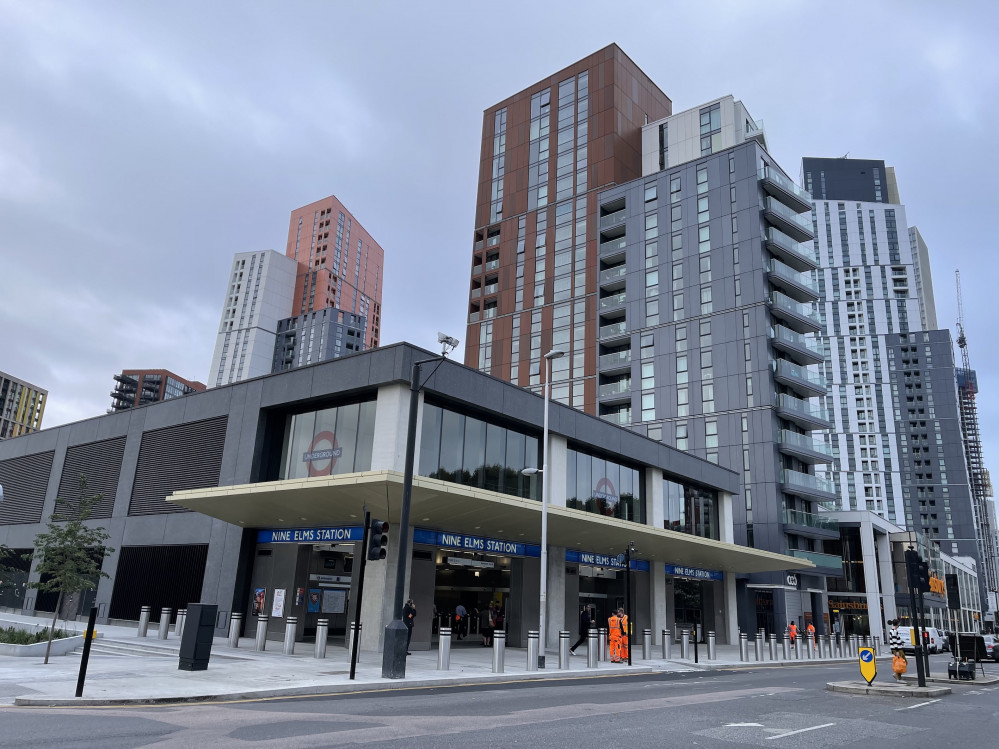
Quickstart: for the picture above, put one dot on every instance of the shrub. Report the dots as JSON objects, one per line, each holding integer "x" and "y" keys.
{"x": 14, "y": 636}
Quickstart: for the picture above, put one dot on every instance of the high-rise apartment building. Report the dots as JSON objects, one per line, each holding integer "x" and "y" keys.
{"x": 317, "y": 336}
{"x": 21, "y": 406}
{"x": 259, "y": 295}
{"x": 663, "y": 253}
{"x": 140, "y": 387}
{"x": 339, "y": 264}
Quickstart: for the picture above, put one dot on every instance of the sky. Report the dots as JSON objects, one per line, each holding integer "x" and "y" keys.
{"x": 143, "y": 144}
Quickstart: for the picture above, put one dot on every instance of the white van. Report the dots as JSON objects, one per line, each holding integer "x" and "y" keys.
{"x": 933, "y": 635}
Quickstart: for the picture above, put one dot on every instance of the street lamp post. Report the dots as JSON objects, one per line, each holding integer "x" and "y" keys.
{"x": 542, "y": 617}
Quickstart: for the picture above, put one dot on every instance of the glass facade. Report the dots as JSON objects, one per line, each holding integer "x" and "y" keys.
{"x": 465, "y": 450}
{"x": 689, "y": 509}
{"x": 604, "y": 487}
{"x": 328, "y": 442}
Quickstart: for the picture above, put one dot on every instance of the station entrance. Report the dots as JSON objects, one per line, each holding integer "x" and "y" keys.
{"x": 472, "y": 581}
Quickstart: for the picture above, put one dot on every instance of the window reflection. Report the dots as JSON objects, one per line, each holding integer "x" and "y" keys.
{"x": 328, "y": 442}
{"x": 604, "y": 487}
{"x": 690, "y": 509}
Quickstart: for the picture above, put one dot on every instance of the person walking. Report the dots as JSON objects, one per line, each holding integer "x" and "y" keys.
{"x": 460, "y": 620}
{"x": 899, "y": 665}
{"x": 792, "y": 632}
{"x": 584, "y": 627}
{"x": 409, "y": 618}
{"x": 614, "y": 636}
{"x": 486, "y": 621}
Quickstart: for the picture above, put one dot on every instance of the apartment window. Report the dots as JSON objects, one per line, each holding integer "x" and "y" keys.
{"x": 650, "y": 193}
{"x": 680, "y": 336}
{"x": 702, "y": 180}
{"x": 681, "y": 370}
{"x": 703, "y": 215}
{"x": 677, "y": 307}
{"x": 681, "y": 437}
{"x": 711, "y": 129}
{"x": 674, "y": 188}
{"x": 704, "y": 239}
{"x": 682, "y": 402}
{"x": 676, "y": 246}
{"x": 652, "y": 312}
{"x": 708, "y": 397}
{"x": 676, "y": 217}
{"x": 711, "y": 433}
{"x": 705, "y": 331}
{"x": 648, "y": 406}
{"x": 648, "y": 375}
{"x": 647, "y": 345}
{"x": 652, "y": 226}
{"x": 706, "y": 300}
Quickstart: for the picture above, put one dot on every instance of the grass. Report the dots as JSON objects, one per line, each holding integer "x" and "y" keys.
{"x": 14, "y": 636}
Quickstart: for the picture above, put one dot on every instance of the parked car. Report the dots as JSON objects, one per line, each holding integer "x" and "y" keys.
{"x": 931, "y": 635}
{"x": 992, "y": 647}
{"x": 945, "y": 641}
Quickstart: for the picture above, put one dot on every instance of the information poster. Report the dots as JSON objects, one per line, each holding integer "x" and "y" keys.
{"x": 258, "y": 601}
{"x": 277, "y": 606}
{"x": 334, "y": 601}
{"x": 315, "y": 596}
{"x": 299, "y": 596}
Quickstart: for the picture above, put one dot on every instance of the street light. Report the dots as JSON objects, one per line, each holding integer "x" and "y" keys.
{"x": 542, "y": 639}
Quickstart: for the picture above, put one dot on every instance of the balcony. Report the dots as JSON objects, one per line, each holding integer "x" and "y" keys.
{"x": 796, "y": 346}
{"x": 613, "y": 219}
{"x": 802, "y": 413}
{"x": 804, "y": 447}
{"x": 613, "y": 248}
{"x": 812, "y": 521}
{"x": 618, "y": 360}
{"x": 621, "y": 417}
{"x": 807, "y": 485}
{"x": 491, "y": 288}
{"x": 776, "y": 184}
{"x": 613, "y": 330}
{"x": 799, "y": 285}
{"x": 620, "y": 390}
{"x": 797, "y": 316}
{"x": 476, "y": 293}
{"x": 613, "y": 277}
{"x": 795, "y": 254}
{"x": 492, "y": 241}
{"x": 796, "y": 226}
{"x": 824, "y": 561}
{"x": 476, "y": 269}
{"x": 611, "y": 301}
{"x": 479, "y": 245}
{"x": 489, "y": 312}
{"x": 797, "y": 377}
{"x": 492, "y": 265}
{"x": 757, "y": 132}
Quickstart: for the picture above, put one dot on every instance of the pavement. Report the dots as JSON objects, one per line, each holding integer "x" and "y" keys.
{"x": 125, "y": 669}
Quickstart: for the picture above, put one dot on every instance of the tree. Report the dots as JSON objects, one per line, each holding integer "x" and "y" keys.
{"x": 70, "y": 552}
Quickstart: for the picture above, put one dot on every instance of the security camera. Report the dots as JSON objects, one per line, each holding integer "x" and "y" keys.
{"x": 448, "y": 342}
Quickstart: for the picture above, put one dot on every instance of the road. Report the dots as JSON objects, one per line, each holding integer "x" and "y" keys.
{"x": 762, "y": 707}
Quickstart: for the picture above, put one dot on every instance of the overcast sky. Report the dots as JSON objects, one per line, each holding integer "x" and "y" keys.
{"x": 142, "y": 144}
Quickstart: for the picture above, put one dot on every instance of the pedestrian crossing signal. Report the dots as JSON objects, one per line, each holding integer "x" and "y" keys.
{"x": 377, "y": 540}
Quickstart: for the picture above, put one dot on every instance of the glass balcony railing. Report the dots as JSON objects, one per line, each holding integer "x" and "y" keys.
{"x": 805, "y": 442}
{"x": 613, "y": 274}
{"x": 476, "y": 269}
{"x": 803, "y": 279}
{"x": 800, "y": 224}
{"x": 612, "y": 219}
{"x": 801, "y": 309}
{"x": 785, "y": 184}
{"x": 621, "y": 418}
{"x": 616, "y": 359}
{"x": 613, "y": 300}
{"x": 492, "y": 241}
{"x": 615, "y": 388}
{"x": 829, "y": 561}
{"x": 803, "y": 256}
{"x": 488, "y": 312}
{"x": 614, "y": 246}
{"x": 490, "y": 288}
{"x": 617, "y": 328}
{"x": 796, "y": 517}
{"x": 476, "y": 293}
{"x": 479, "y": 244}
{"x": 788, "y": 336}
{"x": 492, "y": 265}
{"x": 806, "y": 482}
{"x": 790, "y": 371}
{"x": 803, "y": 408}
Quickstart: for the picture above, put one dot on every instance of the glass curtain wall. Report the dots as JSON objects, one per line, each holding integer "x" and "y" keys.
{"x": 329, "y": 442}
{"x": 689, "y": 509}
{"x": 604, "y": 487}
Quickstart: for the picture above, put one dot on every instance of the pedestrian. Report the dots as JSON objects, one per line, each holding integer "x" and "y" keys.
{"x": 486, "y": 621}
{"x": 899, "y": 662}
{"x": 810, "y": 632}
{"x": 792, "y": 632}
{"x": 498, "y": 619}
{"x": 836, "y": 627}
{"x": 625, "y": 638}
{"x": 409, "y": 618}
{"x": 614, "y": 636}
{"x": 584, "y": 627}
{"x": 460, "y": 620}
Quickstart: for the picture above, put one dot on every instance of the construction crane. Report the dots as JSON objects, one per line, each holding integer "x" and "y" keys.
{"x": 978, "y": 476}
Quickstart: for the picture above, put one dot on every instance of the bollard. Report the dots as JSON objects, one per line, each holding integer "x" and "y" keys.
{"x": 532, "y": 650}
{"x": 808, "y": 648}
{"x": 711, "y": 646}
{"x": 667, "y": 645}
{"x": 261, "y": 644}
{"x": 785, "y": 654}
{"x": 604, "y": 653}
{"x": 827, "y": 646}
{"x": 773, "y": 646}
{"x": 685, "y": 643}
{"x": 758, "y": 647}
{"x": 563, "y": 649}
{"x": 499, "y": 650}
{"x": 351, "y": 639}
{"x": 144, "y": 621}
{"x": 877, "y": 646}
{"x": 165, "y": 623}
{"x": 646, "y": 644}
{"x": 743, "y": 642}
{"x": 234, "y": 626}
{"x": 178, "y": 627}
{"x": 322, "y": 632}
{"x": 592, "y": 648}
{"x": 290, "y": 625}
{"x": 444, "y": 650}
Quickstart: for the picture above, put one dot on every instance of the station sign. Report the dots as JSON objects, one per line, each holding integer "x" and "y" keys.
{"x": 693, "y": 572}
{"x": 603, "y": 560}
{"x": 343, "y": 534}
{"x": 474, "y": 543}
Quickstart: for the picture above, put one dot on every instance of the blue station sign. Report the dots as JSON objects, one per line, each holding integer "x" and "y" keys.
{"x": 474, "y": 543}
{"x": 344, "y": 534}
{"x": 603, "y": 560}
{"x": 693, "y": 572}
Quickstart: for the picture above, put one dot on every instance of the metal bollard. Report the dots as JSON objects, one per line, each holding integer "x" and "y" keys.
{"x": 827, "y": 646}
{"x": 261, "y": 644}
{"x": 290, "y": 625}
{"x": 235, "y": 622}
{"x": 444, "y": 650}
{"x": 685, "y": 643}
{"x": 711, "y": 646}
{"x": 144, "y": 621}
{"x": 773, "y": 647}
{"x": 532, "y": 650}
{"x": 785, "y": 655}
{"x": 877, "y": 646}
{"x": 646, "y": 644}
{"x": 758, "y": 647}
{"x": 667, "y": 645}
{"x": 322, "y": 632}
{"x": 743, "y": 646}
{"x": 499, "y": 650}
{"x": 563, "y": 649}
{"x": 165, "y": 623}
{"x": 351, "y": 639}
{"x": 808, "y": 646}
{"x": 178, "y": 627}
{"x": 592, "y": 648}
{"x": 604, "y": 652}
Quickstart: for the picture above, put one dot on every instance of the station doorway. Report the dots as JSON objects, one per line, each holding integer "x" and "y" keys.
{"x": 473, "y": 581}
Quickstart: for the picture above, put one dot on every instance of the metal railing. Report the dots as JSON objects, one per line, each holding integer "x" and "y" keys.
{"x": 615, "y": 359}
{"x": 784, "y": 183}
{"x": 812, "y": 520}
{"x": 616, "y": 388}
{"x": 790, "y": 370}
{"x": 620, "y": 418}
{"x": 806, "y": 481}
{"x": 802, "y": 309}
{"x": 791, "y": 403}
{"x": 805, "y": 442}
{"x": 801, "y": 278}
{"x": 612, "y": 219}
{"x": 797, "y": 339}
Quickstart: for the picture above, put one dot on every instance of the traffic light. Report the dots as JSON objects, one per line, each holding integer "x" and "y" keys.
{"x": 923, "y": 577}
{"x": 377, "y": 540}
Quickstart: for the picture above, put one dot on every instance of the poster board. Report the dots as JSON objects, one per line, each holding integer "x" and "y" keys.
{"x": 277, "y": 606}
{"x": 334, "y": 601}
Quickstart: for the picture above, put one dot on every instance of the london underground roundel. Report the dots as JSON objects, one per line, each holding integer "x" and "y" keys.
{"x": 322, "y": 454}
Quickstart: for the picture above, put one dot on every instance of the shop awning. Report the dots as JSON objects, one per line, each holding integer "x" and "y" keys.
{"x": 340, "y": 500}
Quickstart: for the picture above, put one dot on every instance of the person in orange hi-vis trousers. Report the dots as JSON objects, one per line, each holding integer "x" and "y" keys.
{"x": 614, "y": 636}
{"x": 625, "y": 640}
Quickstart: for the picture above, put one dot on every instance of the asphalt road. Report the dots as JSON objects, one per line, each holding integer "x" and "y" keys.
{"x": 763, "y": 707}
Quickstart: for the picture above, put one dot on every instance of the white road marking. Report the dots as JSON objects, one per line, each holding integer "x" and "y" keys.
{"x": 802, "y": 730}
{"x": 913, "y": 707}
{"x": 739, "y": 725}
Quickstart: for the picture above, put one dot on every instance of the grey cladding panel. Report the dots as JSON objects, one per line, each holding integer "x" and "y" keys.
{"x": 100, "y": 462}
{"x": 24, "y": 482}
{"x": 186, "y": 456}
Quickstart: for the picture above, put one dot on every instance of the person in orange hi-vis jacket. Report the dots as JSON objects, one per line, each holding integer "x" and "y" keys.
{"x": 792, "y": 632}
{"x": 810, "y": 631}
{"x": 625, "y": 639}
{"x": 614, "y": 636}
